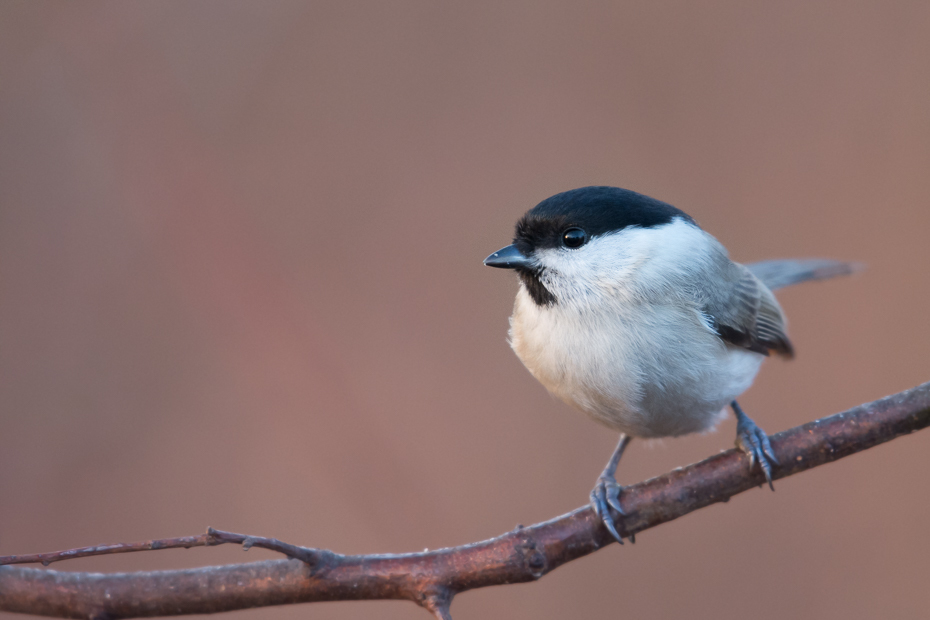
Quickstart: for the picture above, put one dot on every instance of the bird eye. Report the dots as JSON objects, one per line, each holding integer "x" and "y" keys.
{"x": 574, "y": 238}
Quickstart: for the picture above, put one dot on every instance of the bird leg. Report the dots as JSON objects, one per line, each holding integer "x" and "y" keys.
{"x": 606, "y": 493}
{"x": 754, "y": 442}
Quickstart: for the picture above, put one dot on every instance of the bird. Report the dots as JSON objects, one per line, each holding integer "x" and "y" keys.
{"x": 630, "y": 312}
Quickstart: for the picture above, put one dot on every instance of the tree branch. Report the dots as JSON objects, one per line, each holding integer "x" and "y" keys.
{"x": 432, "y": 578}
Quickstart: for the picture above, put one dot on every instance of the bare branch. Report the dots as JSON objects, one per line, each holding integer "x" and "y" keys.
{"x": 210, "y": 539}
{"x": 311, "y": 557}
{"x": 183, "y": 542}
{"x": 431, "y": 579}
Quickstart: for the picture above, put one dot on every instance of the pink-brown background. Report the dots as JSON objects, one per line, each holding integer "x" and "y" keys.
{"x": 241, "y": 281}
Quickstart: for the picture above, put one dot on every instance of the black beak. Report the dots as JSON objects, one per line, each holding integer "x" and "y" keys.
{"x": 507, "y": 258}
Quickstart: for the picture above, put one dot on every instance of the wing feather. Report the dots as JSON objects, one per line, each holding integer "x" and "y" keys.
{"x": 776, "y": 274}
{"x": 746, "y": 314}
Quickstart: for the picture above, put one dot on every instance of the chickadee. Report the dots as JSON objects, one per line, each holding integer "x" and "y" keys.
{"x": 630, "y": 312}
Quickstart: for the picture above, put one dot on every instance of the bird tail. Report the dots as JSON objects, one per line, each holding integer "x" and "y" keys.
{"x": 776, "y": 274}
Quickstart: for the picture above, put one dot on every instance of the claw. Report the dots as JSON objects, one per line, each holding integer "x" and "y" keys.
{"x": 755, "y": 443}
{"x": 604, "y": 496}
{"x": 767, "y": 448}
{"x": 613, "y": 498}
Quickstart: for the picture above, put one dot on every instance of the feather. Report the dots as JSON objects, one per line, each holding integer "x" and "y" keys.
{"x": 776, "y": 274}
{"x": 747, "y": 314}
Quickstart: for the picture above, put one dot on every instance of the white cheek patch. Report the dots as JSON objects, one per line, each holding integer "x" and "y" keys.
{"x": 626, "y": 263}
{"x": 579, "y": 276}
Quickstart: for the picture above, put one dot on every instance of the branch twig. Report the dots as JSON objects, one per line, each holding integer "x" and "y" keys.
{"x": 182, "y": 542}
{"x": 210, "y": 539}
{"x": 433, "y": 578}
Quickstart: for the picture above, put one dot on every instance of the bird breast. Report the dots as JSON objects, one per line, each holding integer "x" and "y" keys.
{"x": 647, "y": 369}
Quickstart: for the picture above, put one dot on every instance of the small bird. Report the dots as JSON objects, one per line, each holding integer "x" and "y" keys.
{"x": 630, "y": 312}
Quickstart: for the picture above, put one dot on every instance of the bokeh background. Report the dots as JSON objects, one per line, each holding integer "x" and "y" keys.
{"x": 241, "y": 281}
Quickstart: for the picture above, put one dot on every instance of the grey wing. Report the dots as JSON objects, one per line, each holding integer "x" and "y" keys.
{"x": 743, "y": 311}
{"x": 778, "y": 273}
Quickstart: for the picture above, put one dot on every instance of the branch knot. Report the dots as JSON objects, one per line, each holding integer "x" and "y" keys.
{"x": 533, "y": 558}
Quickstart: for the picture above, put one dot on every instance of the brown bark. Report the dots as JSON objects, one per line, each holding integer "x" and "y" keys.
{"x": 432, "y": 578}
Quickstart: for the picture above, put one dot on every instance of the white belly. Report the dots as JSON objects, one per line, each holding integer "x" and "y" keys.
{"x": 626, "y": 368}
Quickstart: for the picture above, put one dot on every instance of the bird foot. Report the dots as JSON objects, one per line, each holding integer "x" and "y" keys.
{"x": 604, "y": 496}
{"x": 755, "y": 443}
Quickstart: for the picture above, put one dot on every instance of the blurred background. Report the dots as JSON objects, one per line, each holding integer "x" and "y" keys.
{"x": 241, "y": 281}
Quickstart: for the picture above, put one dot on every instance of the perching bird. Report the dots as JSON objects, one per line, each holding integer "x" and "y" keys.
{"x": 633, "y": 314}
